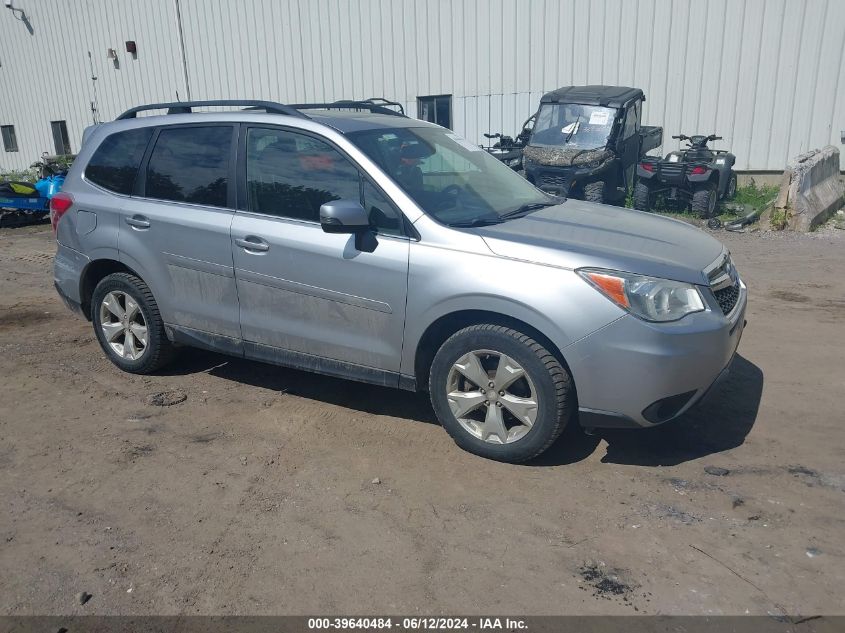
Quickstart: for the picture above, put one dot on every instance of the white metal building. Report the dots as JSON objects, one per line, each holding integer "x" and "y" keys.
{"x": 768, "y": 75}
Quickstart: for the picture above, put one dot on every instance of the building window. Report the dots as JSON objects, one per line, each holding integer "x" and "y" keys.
{"x": 437, "y": 109}
{"x": 60, "y": 138}
{"x": 10, "y": 140}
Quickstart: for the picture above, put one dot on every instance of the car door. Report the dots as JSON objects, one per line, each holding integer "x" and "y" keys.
{"x": 175, "y": 231}
{"x": 309, "y": 298}
{"x": 630, "y": 143}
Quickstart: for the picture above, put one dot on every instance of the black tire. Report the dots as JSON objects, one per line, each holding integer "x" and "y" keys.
{"x": 730, "y": 190}
{"x": 704, "y": 201}
{"x": 555, "y": 394}
{"x": 159, "y": 350}
{"x": 594, "y": 192}
{"x": 643, "y": 198}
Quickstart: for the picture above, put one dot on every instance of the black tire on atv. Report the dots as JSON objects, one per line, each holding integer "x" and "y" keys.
{"x": 730, "y": 190}
{"x": 704, "y": 201}
{"x": 643, "y": 198}
{"x": 594, "y": 192}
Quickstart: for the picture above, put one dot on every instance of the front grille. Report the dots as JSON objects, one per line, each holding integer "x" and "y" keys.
{"x": 553, "y": 181}
{"x": 724, "y": 282}
{"x": 727, "y": 297}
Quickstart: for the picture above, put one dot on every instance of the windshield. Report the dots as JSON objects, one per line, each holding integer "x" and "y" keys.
{"x": 451, "y": 179}
{"x": 573, "y": 125}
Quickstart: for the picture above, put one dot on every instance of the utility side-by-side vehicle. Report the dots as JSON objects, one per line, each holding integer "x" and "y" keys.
{"x": 587, "y": 141}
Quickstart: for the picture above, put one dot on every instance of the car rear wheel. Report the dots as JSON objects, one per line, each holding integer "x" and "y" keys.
{"x": 704, "y": 201}
{"x": 128, "y": 324}
{"x": 499, "y": 393}
{"x": 643, "y": 198}
{"x": 594, "y": 192}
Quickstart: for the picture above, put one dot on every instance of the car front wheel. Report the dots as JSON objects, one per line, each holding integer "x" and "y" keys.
{"x": 499, "y": 393}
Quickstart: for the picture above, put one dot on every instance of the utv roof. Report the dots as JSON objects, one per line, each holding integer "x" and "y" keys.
{"x": 608, "y": 96}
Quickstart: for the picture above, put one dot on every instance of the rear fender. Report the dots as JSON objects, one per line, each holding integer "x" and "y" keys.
{"x": 644, "y": 174}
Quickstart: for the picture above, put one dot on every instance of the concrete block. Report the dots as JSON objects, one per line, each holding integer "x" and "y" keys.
{"x": 811, "y": 189}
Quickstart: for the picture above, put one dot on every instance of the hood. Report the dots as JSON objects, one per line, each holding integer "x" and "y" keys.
{"x": 576, "y": 234}
{"x": 565, "y": 156}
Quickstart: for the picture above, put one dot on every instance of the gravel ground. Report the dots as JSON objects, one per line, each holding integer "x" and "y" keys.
{"x": 271, "y": 491}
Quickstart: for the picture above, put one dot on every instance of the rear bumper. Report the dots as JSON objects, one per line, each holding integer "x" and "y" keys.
{"x": 68, "y": 266}
{"x": 73, "y": 306}
{"x": 634, "y": 374}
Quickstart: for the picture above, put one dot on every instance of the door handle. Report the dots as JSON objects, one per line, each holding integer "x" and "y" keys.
{"x": 138, "y": 222}
{"x": 253, "y": 243}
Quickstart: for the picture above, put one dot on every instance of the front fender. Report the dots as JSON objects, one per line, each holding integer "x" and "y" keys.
{"x": 554, "y": 301}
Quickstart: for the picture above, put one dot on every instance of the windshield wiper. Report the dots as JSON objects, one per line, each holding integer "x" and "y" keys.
{"x": 572, "y": 131}
{"x": 476, "y": 222}
{"x": 525, "y": 209}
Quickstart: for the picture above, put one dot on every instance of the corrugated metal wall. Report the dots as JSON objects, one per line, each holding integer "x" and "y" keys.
{"x": 768, "y": 75}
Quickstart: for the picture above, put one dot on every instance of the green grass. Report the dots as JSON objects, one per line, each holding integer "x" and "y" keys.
{"x": 756, "y": 197}
{"x": 31, "y": 175}
{"x": 20, "y": 175}
{"x": 748, "y": 198}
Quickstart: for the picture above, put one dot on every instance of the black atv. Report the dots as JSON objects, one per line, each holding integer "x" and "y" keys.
{"x": 587, "y": 141}
{"x": 696, "y": 176}
{"x": 508, "y": 149}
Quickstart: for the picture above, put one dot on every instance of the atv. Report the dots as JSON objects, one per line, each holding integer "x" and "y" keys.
{"x": 587, "y": 141}
{"x": 508, "y": 149}
{"x": 695, "y": 177}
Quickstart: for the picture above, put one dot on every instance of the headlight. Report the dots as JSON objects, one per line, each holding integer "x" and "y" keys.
{"x": 649, "y": 298}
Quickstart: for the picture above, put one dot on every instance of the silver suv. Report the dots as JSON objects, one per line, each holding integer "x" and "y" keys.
{"x": 349, "y": 240}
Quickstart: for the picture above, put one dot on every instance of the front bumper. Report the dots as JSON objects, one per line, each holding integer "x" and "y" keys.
{"x": 558, "y": 180}
{"x": 632, "y": 373}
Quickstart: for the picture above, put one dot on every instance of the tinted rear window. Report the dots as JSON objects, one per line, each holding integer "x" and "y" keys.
{"x": 190, "y": 164}
{"x": 115, "y": 163}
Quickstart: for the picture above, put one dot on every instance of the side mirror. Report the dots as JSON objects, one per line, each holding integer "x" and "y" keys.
{"x": 344, "y": 216}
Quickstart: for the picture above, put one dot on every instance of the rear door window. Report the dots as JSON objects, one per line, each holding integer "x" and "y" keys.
{"x": 115, "y": 163}
{"x": 191, "y": 164}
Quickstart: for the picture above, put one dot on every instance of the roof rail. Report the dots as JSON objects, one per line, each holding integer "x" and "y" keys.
{"x": 185, "y": 107}
{"x": 386, "y": 102}
{"x": 376, "y": 105}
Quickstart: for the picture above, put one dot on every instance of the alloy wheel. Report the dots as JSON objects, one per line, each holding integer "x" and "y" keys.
{"x": 123, "y": 325}
{"x": 492, "y": 396}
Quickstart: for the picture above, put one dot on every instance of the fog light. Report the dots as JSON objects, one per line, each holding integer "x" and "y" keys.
{"x": 667, "y": 408}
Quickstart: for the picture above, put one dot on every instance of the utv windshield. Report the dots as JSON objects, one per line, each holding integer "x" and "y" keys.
{"x": 573, "y": 125}
{"x": 451, "y": 179}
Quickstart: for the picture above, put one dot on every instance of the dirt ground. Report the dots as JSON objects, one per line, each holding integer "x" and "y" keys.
{"x": 257, "y": 494}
